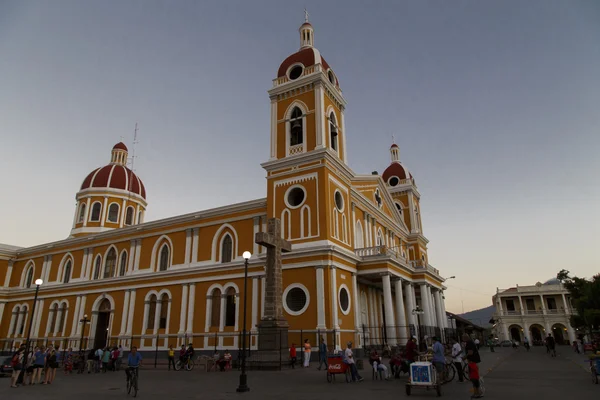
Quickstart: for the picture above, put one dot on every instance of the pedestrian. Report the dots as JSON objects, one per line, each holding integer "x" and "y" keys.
{"x": 182, "y": 352}
{"x": 349, "y": 359}
{"x": 526, "y": 343}
{"x": 551, "y": 344}
{"x": 46, "y": 366}
{"x": 38, "y": 364}
{"x": 171, "y": 357}
{"x": 52, "y": 366}
{"x": 474, "y": 377}
{"x": 307, "y": 351}
{"x": 410, "y": 351}
{"x": 322, "y": 353}
{"x": 576, "y": 347}
{"x": 476, "y": 341}
{"x": 16, "y": 363}
{"x": 91, "y": 361}
{"x": 105, "y": 359}
{"x": 471, "y": 350}
{"x": 120, "y": 359}
{"x": 98, "y": 358}
{"x": 491, "y": 344}
{"x": 457, "y": 353}
{"x": 293, "y": 356}
{"x": 439, "y": 359}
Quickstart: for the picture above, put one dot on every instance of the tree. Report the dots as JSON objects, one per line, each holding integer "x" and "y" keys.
{"x": 585, "y": 295}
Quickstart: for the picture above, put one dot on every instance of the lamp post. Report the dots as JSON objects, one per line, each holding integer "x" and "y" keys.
{"x": 38, "y": 283}
{"x": 84, "y": 321}
{"x": 417, "y": 311}
{"x": 243, "y": 387}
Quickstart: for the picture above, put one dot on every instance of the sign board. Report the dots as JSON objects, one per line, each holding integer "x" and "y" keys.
{"x": 421, "y": 373}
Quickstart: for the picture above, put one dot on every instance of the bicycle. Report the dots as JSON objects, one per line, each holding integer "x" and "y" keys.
{"x": 449, "y": 371}
{"x": 132, "y": 381}
{"x": 188, "y": 364}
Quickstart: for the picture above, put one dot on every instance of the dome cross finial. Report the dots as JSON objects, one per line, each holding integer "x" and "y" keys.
{"x": 305, "y": 15}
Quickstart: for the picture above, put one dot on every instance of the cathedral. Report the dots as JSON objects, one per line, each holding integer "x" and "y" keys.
{"x": 358, "y": 269}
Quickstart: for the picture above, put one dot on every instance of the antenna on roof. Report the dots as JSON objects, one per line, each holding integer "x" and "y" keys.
{"x": 135, "y": 141}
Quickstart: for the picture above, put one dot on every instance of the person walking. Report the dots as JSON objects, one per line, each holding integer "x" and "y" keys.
{"x": 293, "y": 356}
{"x": 98, "y": 357}
{"x": 551, "y": 344}
{"x": 17, "y": 364}
{"x": 322, "y": 353}
{"x": 307, "y": 351}
{"x": 457, "y": 353}
{"x": 171, "y": 357}
{"x": 526, "y": 343}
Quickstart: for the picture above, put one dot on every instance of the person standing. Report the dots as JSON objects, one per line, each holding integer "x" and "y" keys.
{"x": 39, "y": 359}
{"x": 52, "y": 365}
{"x": 349, "y": 359}
{"x": 17, "y": 364}
{"x": 551, "y": 344}
{"x": 322, "y": 353}
{"x": 439, "y": 360}
{"x": 476, "y": 341}
{"x": 457, "y": 359}
{"x": 90, "y": 361}
{"x": 410, "y": 351}
{"x": 293, "y": 356}
{"x": 526, "y": 343}
{"x": 98, "y": 357}
{"x": 105, "y": 359}
{"x": 171, "y": 357}
{"x": 307, "y": 351}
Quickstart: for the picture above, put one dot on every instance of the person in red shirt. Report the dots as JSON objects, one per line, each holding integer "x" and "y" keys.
{"x": 410, "y": 352}
{"x": 474, "y": 377}
{"x": 293, "y": 356}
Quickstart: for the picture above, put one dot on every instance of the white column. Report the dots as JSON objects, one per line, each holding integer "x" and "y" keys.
{"x": 39, "y": 310}
{"x": 13, "y": 320}
{"x": 344, "y": 139}
{"x": 207, "y": 318}
{"x": 321, "y": 324}
{"x": 87, "y": 211}
{"x": 372, "y": 317}
{"x": 157, "y": 311}
{"x": 191, "y": 303}
{"x": 358, "y": 337}
{"x": 63, "y": 328}
{"x": 188, "y": 246}
{"x": 83, "y": 264}
{"x": 439, "y": 310}
{"x": 565, "y": 305}
{"x": 543, "y": 304}
{"x": 124, "y": 313}
{"x": 273, "y": 128}
{"x": 131, "y": 260}
{"x": 81, "y": 314}
{"x": 521, "y": 305}
{"x": 8, "y": 273}
{"x": 433, "y": 312}
{"x": 444, "y": 309}
{"x": 319, "y": 115}
{"x": 410, "y": 304}
{"x": 46, "y": 277}
{"x": 254, "y": 303}
{"x": 374, "y": 233}
{"x": 90, "y": 261}
{"x": 426, "y": 306}
{"x": 411, "y": 213}
{"x": 334, "y": 306}
{"x": 75, "y": 315}
{"x": 2, "y": 305}
{"x": 138, "y": 248}
{"x": 182, "y": 314}
{"x": 130, "y": 315}
{"x": 123, "y": 212}
{"x": 103, "y": 218}
{"x": 262, "y": 296}
{"x": 389, "y": 310}
{"x": 400, "y": 313}
{"x": 195, "y": 237}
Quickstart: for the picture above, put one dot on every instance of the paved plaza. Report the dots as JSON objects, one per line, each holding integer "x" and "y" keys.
{"x": 509, "y": 374}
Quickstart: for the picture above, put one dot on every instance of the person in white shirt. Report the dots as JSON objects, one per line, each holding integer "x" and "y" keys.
{"x": 99, "y": 354}
{"x": 477, "y": 343}
{"x": 457, "y": 359}
{"x": 349, "y": 359}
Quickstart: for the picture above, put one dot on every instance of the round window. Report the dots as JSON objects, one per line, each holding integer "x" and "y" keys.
{"x": 339, "y": 201}
{"x": 344, "y": 300}
{"x": 331, "y": 76}
{"x": 399, "y": 207}
{"x": 295, "y": 299}
{"x": 296, "y": 196}
{"x": 394, "y": 181}
{"x": 295, "y": 72}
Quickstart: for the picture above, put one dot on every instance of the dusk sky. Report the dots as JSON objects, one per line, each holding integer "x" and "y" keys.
{"x": 495, "y": 106}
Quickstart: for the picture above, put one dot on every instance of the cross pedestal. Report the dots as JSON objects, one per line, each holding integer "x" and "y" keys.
{"x": 273, "y": 327}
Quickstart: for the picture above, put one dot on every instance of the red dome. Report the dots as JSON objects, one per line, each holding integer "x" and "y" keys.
{"x": 115, "y": 176}
{"x": 120, "y": 146}
{"x": 396, "y": 169}
{"x": 394, "y": 146}
{"x": 307, "y": 57}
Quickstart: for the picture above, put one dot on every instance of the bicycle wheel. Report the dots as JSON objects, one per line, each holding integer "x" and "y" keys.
{"x": 178, "y": 365}
{"x": 189, "y": 365}
{"x": 466, "y": 371}
{"x": 450, "y": 372}
{"x": 128, "y": 385}
{"x": 594, "y": 375}
{"x": 481, "y": 386}
{"x": 329, "y": 377}
{"x": 135, "y": 385}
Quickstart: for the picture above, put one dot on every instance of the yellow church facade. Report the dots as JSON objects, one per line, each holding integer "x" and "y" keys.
{"x": 357, "y": 270}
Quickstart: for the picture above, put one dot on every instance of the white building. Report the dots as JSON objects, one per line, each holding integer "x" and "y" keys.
{"x": 533, "y": 312}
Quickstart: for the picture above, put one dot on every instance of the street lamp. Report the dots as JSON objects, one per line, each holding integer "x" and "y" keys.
{"x": 84, "y": 321}
{"x": 38, "y": 283}
{"x": 243, "y": 387}
{"x": 417, "y": 311}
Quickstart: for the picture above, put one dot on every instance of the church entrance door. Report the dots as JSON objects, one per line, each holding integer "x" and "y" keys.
{"x": 102, "y": 322}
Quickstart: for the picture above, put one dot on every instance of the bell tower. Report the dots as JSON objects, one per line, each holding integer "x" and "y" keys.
{"x": 307, "y": 105}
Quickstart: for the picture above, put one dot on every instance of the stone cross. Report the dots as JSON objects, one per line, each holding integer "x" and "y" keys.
{"x": 275, "y": 244}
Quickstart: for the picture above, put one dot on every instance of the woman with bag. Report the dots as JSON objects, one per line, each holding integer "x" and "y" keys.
{"x": 17, "y": 364}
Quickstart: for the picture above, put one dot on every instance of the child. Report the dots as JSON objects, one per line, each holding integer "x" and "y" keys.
{"x": 293, "y": 356}
{"x": 474, "y": 377}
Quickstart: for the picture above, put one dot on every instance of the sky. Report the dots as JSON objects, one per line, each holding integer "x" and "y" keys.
{"x": 494, "y": 104}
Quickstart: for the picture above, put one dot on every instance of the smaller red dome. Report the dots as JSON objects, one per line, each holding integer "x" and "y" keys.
{"x": 306, "y": 24}
{"x": 394, "y": 146}
{"x": 120, "y": 146}
{"x": 307, "y": 57}
{"x": 396, "y": 169}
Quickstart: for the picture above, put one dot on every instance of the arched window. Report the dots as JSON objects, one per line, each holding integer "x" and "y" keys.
{"x": 97, "y": 267}
{"x": 333, "y": 132}
{"x": 380, "y": 241}
{"x": 23, "y": 320}
{"x": 129, "y": 216}
{"x": 226, "y": 249}
{"x": 81, "y": 213}
{"x": 296, "y": 130}
{"x": 113, "y": 213}
{"x": 164, "y": 258}
{"x": 110, "y": 263}
{"x": 123, "y": 266}
{"x": 96, "y": 210}
{"x": 15, "y": 317}
{"x": 29, "y": 279}
{"x": 215, "y": 310}
{"x": 139, "y": 221}
{"x": 67, "y": 273}
{"x": 63, "y": 316}
{"x": 359, "y": 242}
{"x": 54, "y": 313}
{"x": 230, "y": 307}
{"x": 164, "y": 310}
{"x": 151, "y": 312}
